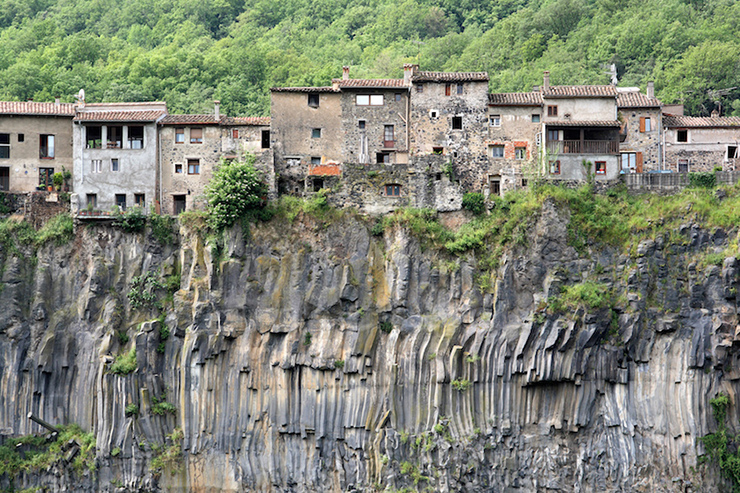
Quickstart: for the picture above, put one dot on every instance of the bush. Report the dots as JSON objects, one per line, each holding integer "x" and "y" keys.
{"x": 162, "y": 228}
{"x": 59, "y": 230}
{"x": 474, "y": 202}
{"x": 131, "y": 220}
{"x": 234, "y": 191}
{"x": 143, "y": 291}
{"x": 132, "y": 410}
{"x": 702, "y": 180}
{"x": 124, "y": 364}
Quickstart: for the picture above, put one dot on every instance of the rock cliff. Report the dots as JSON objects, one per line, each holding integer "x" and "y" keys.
{"x": 314, "y": 356}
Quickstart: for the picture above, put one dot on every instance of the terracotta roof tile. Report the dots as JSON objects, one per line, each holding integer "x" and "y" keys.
{"x": 636, "y": 100}
{"x": 303, "y": 89}
{"x": 580, "y": 92}
{"x": 584, "y": 123}
{"x": 325, "y": 170}
{"x": 34, "y": 108}
{"x": 515, "y": 99}
{"x": 701, "y": 121}
{"x": 189, "y": 120}
{"x": 262, "y": 121}
{"x": 422, "y": 76}
{"x": 119, "y": 116}
{"x": 368, "y": 83}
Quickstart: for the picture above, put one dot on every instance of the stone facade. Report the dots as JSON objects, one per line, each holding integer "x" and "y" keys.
{"x": 641, "y": 131}
{"x": 695, "y": 144}
{"x": 35, "y": 143}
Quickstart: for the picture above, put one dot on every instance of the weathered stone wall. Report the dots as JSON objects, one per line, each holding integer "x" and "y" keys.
{"x": 648, "y": 142}
{"x": 706, "y": 148}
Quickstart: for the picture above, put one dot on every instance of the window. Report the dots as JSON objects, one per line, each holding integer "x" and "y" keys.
{"x": 393, "y": 190}
{"x": 369, "y": 100}
{"x": 121, "y": 201}
{"x": 448, "y": 89}
{"x": 629, "y": 162}
{"x": 600, "y": 167}
{"x": 21, "y": 137}
{"x": 318, "y": 184}
{"x": 315, "y": 161}
{"x": 433, "y": 114}
{"x": 497, "y": 151}
{"x": 94, "y": 137}
{"x": 419, "y": 88}
{"x": 398, "y": 96}
{"x": 555, "y": 167}
{"x": 193, "y": 166}
{"x": 178, "y": 168}
{"x": 139, "y": 199}
{"x": 4, "y": 177}
{"x": 361, "y": 124}
{"x": 683, "y": 165}
{"x": 520, "y": 153}
{"x": 438, "y": 150}
{"x": 553, "y": 135}
{"x": 682, "y": 136}
{"x": 115, "y": 137}
{"x": 46, "y": 147}
{"x": 4, "y": 146}
{"x": 388, "y": 136}
{"x": 460, "y": 88}
{"x": 136, "y": 137}
{"x": 196, "y": 135}
{"x": 97, "y": 165}
{"x": 552, "y": 110}
{"x": 92, "y": 200}
{"x": 313, "y": 100}
{"x": 456, "y": 123}
{"x": 732, "y": 152}
{"x": 316, "y": 133}
{"x": 114, "y": 165}
{"x": 179, "y": 136}
{"x": 646, "y": 124}
{"x": 265, "y": 139}
{"x": 524, "y": 182}
{"x": 383, "y": 158}
{"x": 178, "y": 203}
{"x": 536, "y": 118}
{"x": 45, "y": 177}
{"x": 494, "y": 185}
{"x": 496, "y": 120}
{"x": 234, "y": 133}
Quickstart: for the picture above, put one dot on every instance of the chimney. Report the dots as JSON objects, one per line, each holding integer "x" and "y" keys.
{"x": 546, "y": 81}
{"x": 217, "y": 110}
{"x": 345, "y": 72}
{"x": 715, "y": 113}
{"x": 651, "y": 89}
{"x": 408, "y": 71}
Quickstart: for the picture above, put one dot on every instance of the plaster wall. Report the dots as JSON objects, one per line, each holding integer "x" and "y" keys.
{"x": 582, "y": 108}
{"x": 706, "y": 149}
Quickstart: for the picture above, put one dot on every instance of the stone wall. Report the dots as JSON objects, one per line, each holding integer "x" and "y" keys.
{"x": 648, "y": 142}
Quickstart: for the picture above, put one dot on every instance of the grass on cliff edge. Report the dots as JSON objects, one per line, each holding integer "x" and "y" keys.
{"x": 615, "y": 218}
{"x": 14, "y": 233}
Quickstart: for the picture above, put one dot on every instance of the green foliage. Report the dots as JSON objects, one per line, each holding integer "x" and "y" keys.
{"x": 143, "y": 291}
{"x": 721, "y": 447}
{"x": 703, "y": 180}
{"x": 59, "y": 230}
{"x": 122, "y": 337}
{"x": 124, "y": 364}
{"x": 588, "y": 294}
{"x": 339, "y": 364}
{"x": 235, "y": 190}
{"x": 132, "y": 409}
{"x": 14, "y": 234}
{"x": 162, "y": 228}
{"x": 461, "y": 384}
{"x": 4, "y": 204}
{"x": 115, "y": 452}
{"x": 168, "y": 456}
{"x": 162, "y": 407}
{"x": 474, "y": 202}
{"x": 307, "y": 339}
{"x": 132, "y": 220}
{"x": 386, "y": 327}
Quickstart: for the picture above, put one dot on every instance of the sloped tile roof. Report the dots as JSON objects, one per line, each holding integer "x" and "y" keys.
{"x": 636, "y": 100}
{"x": 189, "y": 120}
{"x": 607, "y": 91}
{"x": 368, "y": 83}
{"x": 701, "y": 121}
{"x": 450, "y": 77}
{"x": 118, "y": 116}
{"x": 515, "y": 99}
{"x": 262, "y": 121}
{"x": 34, "y": 108}
{"x": 584, "y": 123}
{"x": 303, "y": 89}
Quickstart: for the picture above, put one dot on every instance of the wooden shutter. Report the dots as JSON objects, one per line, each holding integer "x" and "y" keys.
{"x": 638, "y": 161}
{"x": 642, "y": 124}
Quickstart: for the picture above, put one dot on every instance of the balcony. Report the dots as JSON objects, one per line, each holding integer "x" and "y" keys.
{"x": 389, "y": 144}
{"x": 583, "y": 147}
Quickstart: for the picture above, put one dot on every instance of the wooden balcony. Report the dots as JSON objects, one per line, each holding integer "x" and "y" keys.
{"x": 583, "y": 147}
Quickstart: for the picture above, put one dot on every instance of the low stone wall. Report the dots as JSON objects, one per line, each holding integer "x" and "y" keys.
{"x": 36, "y": 207}
{"x": 657, "y": 182}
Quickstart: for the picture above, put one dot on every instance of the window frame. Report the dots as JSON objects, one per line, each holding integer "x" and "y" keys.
{"x": 5, "y": 145}
{"x": 682, "y": 132}
{"x": 603, "y": 167}
{"x": 96, "y": 165}
{"x": 460, "y": 88}
{"x": 372, "y": 100}
{"x": 536, "y": 118}
{"x": 115, "y": 165}
{"x": 179, "y": 135}
{"x": 492, "y": 154}
{"x": 448, "y": 89}
{"x": 46, "y": 151}
{"x": 97, "y": 143}
{"x": 110, "y": 135}
{"x": 555, "y": 167}
{"x": 193, "y": 166}
{"x": 393, "y": 188}
{"x": 131, "y": 140}
{"x": 518, "y": 151}
{"x": 195, "y": 139}
{"x": 178, "y": 168}
{"x": 313, "y": 100}
{"x": 92, "y": 200}
{"x": 234, "y": 133}
{"x": 389, "y": 130}
{"x": 265, "y": 139}
{"x": 140, "y": 200}
{"x": 552, "y": 110}
{"x": 46, "y": 177}
{"x": 120, "y": 199}
{"x": 457, "y": 123}
{"x": 315, "y": 160}
{"x": 495, "y": 120}
{"x": 315, "y": 133}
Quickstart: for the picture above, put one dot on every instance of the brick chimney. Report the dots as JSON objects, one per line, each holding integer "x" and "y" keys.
{"x": 408, "y": 72}
{"x": 217, "y": 110}
{"x": 651, "y": 89}
{"x": 345, "y": 72}
{"x": 546, "y": 81}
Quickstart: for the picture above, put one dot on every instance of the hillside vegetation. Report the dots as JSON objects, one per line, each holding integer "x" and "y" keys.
{"x": 190, "y": 52}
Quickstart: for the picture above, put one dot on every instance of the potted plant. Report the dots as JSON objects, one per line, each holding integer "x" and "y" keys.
{"x": 58, "y": 180}
{"x": 66, "y": 176}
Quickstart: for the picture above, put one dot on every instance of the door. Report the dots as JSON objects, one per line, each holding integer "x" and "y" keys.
{"x": 179, "y": 201}
{"x": 4, "y": 178}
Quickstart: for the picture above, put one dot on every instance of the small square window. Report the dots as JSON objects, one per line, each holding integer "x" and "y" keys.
{"x": 179, "y": 136}
{"x": 316, "y": 133}
{"x": 555, "y": 167}
{"x": 121, "y": 201}
{"x": 92, "y": 200}
{"x": 139, "y": 199}
{"x": 21, "y": 137}
{"x": 683, "y": 165}
{"x": 457, "y": 123}
{"x": 318, "y": 184}
{"x": 178, "y": 168}
{"x": 497, "y": 151}
{"x": 682, "y": 136}
{"x": 315, "y": 160}
{"x": 552, "y": 110}
{"x": 313, "y": 100}
{"x": 193, "y": 166}
{"x": 383, "y": 158}
{"x": 97, "y": 165}
{"x": 496, "y": 120}
{"x": 196, "y": 135}
{"x": 398, "y": 96}
{"x": 419, "y": 88}
{"x": 361, "y": 124}
{"x": 520, "y": 153}
{"x": 536, "y": 118}
{"x": 393, "y": 190}
{"x": 114, "y": 165}
{"x": 600, "y": 167}
{"x": 460, "y": 87}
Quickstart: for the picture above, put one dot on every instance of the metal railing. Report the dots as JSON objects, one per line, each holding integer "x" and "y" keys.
{"x": 583, "y": 147}
{"x": 667, "y": 181}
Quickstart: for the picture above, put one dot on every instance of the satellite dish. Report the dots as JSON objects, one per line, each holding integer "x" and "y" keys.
{"x": 81, "y": 95}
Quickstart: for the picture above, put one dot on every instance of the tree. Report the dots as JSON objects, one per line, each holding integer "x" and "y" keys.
{"x": 235, "y": 190}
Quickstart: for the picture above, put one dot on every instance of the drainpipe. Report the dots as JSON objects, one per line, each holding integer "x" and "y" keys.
{"x": 159, "y": 165}
{"x": 408, "y": 129}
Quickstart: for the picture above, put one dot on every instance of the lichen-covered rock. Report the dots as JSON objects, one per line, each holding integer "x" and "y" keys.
{"x": 315, "y": 357}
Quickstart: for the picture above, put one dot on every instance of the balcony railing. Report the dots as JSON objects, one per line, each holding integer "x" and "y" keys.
{"x": 389, "y": 144}
{"x": 583, "y": 147}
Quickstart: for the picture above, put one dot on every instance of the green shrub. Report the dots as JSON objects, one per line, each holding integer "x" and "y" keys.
{"x": 132, "y": 410}
{"x": 721, "y": 447}
{"x": 235, "y": 189}
{"x": 132, "y": 220}
{"x": 386, "y": 327}
{"x": 703, "y": 180}
{"x": 168, "y": 457}
{"x": 124, "y": 363}
{"x": 162, "y": 228}
{"x": 115, "y": 452}
{"x": 143, "y": 291}
{"x": 58, "y": 230}
{"x": 339, "y": 364}
{"x": 474, "y": 202}
{"x": 160, "y": 408}
{"x": 307, "y": 339}
{"x": 461, "y": 384}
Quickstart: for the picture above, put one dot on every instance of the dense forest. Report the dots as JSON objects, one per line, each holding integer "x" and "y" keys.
{"x": 189, "y": 52}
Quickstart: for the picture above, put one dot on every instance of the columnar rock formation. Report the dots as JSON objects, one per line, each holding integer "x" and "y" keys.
{"x": 314, "y": 356}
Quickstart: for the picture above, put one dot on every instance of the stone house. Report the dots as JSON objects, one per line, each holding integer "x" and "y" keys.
{"x": 701, "y": 143}
{"x": 191, "y": 146}
{"x": 35, "y": 143}
{"x": 640, "y": 116}
{"x": 116, "y": 159}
